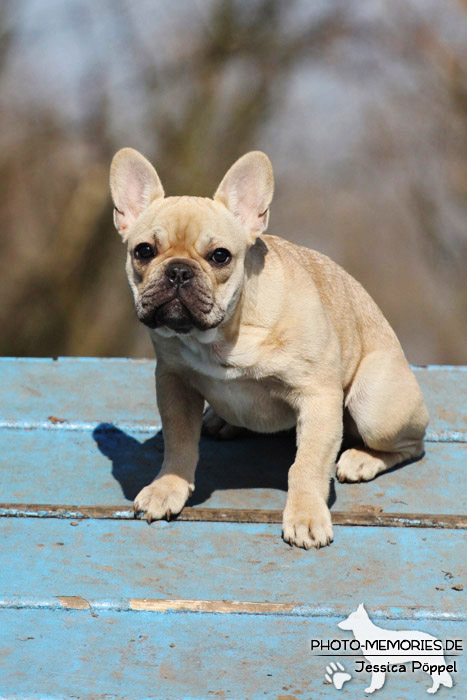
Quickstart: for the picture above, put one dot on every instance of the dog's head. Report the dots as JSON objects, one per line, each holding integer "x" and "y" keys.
{"x": 186, "y": 255}
{"x": 354, "y": 619}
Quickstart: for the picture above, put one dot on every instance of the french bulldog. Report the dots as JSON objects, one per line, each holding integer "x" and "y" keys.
{"x": 272, "y": 335}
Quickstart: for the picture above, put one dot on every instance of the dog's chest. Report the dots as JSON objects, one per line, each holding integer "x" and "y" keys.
{"x": 247, "y": 403}
{"x": 234, "y": 382}
{"x": 210, "y": 361}
{"x": 235, "y": 393}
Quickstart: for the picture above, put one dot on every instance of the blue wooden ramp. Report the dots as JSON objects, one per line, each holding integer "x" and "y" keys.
{"x": 97, "y": 605}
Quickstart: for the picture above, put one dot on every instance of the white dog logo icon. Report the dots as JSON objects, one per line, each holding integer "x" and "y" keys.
{"x": 405, "y": 648}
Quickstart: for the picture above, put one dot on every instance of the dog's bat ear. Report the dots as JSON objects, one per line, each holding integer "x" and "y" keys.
{"x": 134, "y": 184}
{"x": 247, "y": 190}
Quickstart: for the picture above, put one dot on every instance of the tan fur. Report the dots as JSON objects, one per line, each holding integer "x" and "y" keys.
{"x": 283, "y": 336}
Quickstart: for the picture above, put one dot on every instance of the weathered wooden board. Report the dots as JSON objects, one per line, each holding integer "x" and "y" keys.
{"x": 75, "y": 393}
{"x": 118, "y": 609}
{"x": 445, "y": 392}
{"x": 109, "y": 466}
{"x": 364, "y": 517}
{"x": 410, "y": 572}
{"x": 188, "y": 656}
{"x": 83, "y": 392}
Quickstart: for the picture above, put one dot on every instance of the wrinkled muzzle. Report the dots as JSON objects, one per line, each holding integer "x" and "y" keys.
{"x": 178, "y": 296}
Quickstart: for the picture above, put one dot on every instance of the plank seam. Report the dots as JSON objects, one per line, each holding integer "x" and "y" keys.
{"x": 151, "y": 362}
{"x": 230, "y": 607}
{"x": 432, "y": 436}
{"x": 79, "y": 426}
{"x": 367, "y": 516}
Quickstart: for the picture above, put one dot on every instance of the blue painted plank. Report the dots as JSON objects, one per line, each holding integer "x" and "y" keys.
{"x": 445, "y": 392}
{"x": 109, "y": 466}
{"x": 78, "y": 391}
{"x": 400, "y": 574}
{"x": 144, "y": 656}
{"x": 86, "y": 391}
{"x": 400, "y": 571}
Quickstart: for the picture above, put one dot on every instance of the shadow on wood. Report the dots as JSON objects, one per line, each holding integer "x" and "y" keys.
{"x": 251, "y": 461}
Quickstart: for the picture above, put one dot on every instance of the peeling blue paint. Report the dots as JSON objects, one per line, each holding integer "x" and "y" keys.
{"x": 58, "y": 446}
{"x": 35, "y": 390}
{"x": 118, "y": 655}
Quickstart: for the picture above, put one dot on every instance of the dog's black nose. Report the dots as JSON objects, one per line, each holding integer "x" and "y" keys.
{"x": 179, "y": 273}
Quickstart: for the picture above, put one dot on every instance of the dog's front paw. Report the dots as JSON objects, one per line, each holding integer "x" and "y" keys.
{"x": 165, "y": 497}
{"x": 307, "y": 522}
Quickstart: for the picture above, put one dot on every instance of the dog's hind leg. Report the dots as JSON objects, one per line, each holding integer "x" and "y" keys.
{"x": 387, "y": 408}
{"x": 438, "y": 679}
{"x": 377, "y": 681}
{"x": 215, "y": 426}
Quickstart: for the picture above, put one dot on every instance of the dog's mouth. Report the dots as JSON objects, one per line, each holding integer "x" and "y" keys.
{"x": 174, "y": 315}
{"x": 180, "y": 313}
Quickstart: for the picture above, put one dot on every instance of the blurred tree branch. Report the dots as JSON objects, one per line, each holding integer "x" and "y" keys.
{"x": 200, "y": 103}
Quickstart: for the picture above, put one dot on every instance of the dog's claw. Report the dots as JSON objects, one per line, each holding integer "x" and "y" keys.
{"x": 306, "y": 524}
{"x": 162, "y": 499}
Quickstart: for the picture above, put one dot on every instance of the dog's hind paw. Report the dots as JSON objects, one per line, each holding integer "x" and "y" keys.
{"x": 215, "y": 426}
{"x": 359, "y": 464}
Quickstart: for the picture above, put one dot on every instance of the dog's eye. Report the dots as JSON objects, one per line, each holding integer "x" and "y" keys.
{"x": 221, "y": 256}
{"x": 144, "y": 251}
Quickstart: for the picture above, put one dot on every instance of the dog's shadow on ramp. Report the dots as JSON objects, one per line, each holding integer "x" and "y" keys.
{"x": 134, "y": 464}
{"x": 251, "y": 461}
{"x": 248, "y": 462}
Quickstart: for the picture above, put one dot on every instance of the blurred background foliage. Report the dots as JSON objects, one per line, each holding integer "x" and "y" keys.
{"x": 361, "y": 106}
